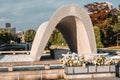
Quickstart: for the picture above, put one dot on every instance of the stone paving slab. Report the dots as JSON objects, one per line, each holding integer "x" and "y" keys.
{"x": 15, "y": 58}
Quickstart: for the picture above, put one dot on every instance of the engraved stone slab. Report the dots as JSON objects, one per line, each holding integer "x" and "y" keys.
{"x": 102, "y": 68}
{"x": 69, "y": 70}
{"x": 92, "y": 69}
{"x": 112, "y": 68}
{"x": 80, "y": 70}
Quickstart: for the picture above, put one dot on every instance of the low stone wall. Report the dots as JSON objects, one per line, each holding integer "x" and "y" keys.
{"x": 90, "y": 69}
{"x": 53, "y": 74}
{"x": 33, "y": 75}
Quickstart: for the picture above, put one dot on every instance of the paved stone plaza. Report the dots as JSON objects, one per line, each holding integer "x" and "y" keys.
{"x": 15, "y": 58}
{"x": 100, "y": 79}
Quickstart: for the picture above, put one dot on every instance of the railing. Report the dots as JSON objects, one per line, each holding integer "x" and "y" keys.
{"x": 15, "y": 52}
{"x": 118, "y": 52}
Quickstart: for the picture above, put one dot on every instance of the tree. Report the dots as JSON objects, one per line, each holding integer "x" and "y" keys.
{"x": 107, "y": 36}
{"x": 100, "y": 12}
{"x": 104, "y": 16}
{"x": 8, "y": 37}
{"x": 98, "y": 37}
{"x": 119, "y": 6}
{"x": 118, "y": 13}
{"x": 2, "y": 34}
{"x": 116, "y": 29}
{"x": 5, "y": 36}
{"x": 56, "y": 38}
{"x": 29, "y": 35}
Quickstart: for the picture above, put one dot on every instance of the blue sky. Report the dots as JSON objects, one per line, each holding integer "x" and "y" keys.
{"x": 29, "y": 14}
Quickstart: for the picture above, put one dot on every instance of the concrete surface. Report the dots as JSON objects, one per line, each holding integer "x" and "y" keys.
{"x": 15, "y": 58}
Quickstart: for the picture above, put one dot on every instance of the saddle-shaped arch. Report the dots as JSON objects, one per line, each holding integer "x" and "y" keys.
{"x": 75, "y": 25}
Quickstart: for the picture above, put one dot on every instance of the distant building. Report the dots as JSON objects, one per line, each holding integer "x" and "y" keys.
{"x": 8, "y": 25}
{"x": 8, "y": 28}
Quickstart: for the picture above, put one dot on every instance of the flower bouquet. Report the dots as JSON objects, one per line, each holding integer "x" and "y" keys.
{"x": 75, "y": 64}
{"x": 104, "y": 64}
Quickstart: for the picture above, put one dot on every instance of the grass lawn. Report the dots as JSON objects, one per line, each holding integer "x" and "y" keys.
{"x": 113, "y": 48}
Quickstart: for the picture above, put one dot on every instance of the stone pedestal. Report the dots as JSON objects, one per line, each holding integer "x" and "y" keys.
{"x": 10, "y": 68}
{"x": 47, "y": 66}
{"x": 69, "y": 70}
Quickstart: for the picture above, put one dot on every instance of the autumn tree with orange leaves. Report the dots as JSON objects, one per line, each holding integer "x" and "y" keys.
{"x": 104, "y": 16}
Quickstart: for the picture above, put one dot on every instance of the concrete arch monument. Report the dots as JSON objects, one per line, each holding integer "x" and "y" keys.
{"x": 75, "y": 25}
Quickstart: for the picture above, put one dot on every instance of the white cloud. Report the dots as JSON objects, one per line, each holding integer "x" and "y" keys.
{"x": 4, "y": 20}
